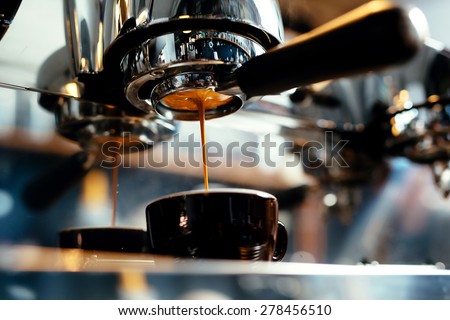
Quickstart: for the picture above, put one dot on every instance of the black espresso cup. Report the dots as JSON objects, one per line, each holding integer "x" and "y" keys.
{"x": 217, "y": 224}
{"x": 117, "y": 239}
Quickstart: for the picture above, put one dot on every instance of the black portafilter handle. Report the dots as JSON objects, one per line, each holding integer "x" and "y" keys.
{"x": 373, "y": 36}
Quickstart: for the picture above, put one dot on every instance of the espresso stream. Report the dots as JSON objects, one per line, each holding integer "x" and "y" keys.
{"x": 114, "y": 191}
{"x": 201, "y": 100}
{"x": 201, "y": 115}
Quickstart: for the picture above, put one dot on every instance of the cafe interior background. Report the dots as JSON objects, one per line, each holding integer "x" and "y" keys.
{"x": 381, "y": 208}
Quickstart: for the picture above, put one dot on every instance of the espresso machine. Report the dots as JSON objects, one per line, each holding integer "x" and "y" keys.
{"x": 106, "y": 83}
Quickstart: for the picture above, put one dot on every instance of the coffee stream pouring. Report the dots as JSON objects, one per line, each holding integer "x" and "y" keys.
{"x": 131, "y": 63}
{"x": 127, "y": 65}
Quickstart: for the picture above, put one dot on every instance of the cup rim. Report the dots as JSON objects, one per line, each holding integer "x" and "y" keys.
{"x": 244, "y": 191}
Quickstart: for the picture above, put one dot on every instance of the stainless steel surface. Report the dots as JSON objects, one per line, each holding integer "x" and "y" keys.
{"x": 146, "y": 40}
{"x": 95, "y": 126}
{"x": 74, "y": 274}
{"x": 93, "y": 25}
{"x": 155, "y": 49}
{"x": 151, "y": 40}
{"x": 26, "y": 45}
{"x": 198, "y": 47}
{"x": 186, "y": 60}
{"x": 33, "y": 258}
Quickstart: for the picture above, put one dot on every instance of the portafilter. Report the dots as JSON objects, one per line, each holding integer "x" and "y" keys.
{"x": 163, "y": 55}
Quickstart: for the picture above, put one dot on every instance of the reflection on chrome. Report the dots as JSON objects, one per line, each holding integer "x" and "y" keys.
{"x": 94, "y": 25}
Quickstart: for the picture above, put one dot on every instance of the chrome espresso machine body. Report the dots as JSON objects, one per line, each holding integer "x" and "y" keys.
{"x": 344, "y": 152}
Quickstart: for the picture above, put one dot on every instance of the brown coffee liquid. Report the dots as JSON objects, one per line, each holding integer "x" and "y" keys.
{"x": 114, "y": 191}
{"x": 190, "y": 99}
{"x": 201, "y": 115}
{"x": 201, "y": 100}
